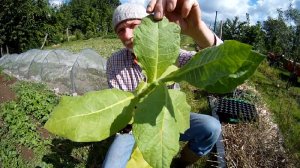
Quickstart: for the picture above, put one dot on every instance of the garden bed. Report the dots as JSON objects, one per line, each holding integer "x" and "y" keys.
{"x": 255, "y": 144}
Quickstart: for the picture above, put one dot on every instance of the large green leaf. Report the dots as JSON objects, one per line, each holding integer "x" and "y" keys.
{"x": 157, "y": 123}
{"x": 156, "y": 45}
{"x": 181, "y": 109}
{"x": 136, "y": 160}
{"x": 91, "y": 117}
{"x": 237, "y": 78}
{"x": 219, "y": 69}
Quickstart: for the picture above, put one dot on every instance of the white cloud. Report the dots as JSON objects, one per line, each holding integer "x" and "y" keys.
{"x": 56, "y": 2}
{"x": 141, "y": 2}
{"x": 225, "y": 8}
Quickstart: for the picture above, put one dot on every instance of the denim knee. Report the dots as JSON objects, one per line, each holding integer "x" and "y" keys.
{"x": 203, "y": 133}
{"x": 119, "y": 152}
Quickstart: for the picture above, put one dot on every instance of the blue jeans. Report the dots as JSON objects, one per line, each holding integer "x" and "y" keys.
{"x": 203, "y": 133}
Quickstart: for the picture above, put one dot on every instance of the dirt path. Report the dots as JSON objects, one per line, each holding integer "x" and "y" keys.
{"x": 6, "y": 93}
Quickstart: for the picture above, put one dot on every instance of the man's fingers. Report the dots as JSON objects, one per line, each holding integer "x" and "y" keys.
{"x": 151, "y": 6}
{"x": 159, "y": 9}
{"x": 176, "y": 18}
{"x": 186, "y": 7}
{"x": 171, "y": 4}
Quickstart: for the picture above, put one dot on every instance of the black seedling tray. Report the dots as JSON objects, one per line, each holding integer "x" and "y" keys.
{"x": 232, "y": 110}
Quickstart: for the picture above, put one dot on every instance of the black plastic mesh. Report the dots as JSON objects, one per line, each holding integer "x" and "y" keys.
{"x": 231, "y": 110}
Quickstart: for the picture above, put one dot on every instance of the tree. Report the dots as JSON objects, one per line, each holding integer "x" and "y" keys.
{"x": 277, "y": 35}
{"x": 293, "y": 18}
{"x": 92, "y": 17}
{"x": 233, "y": 29}
{"x": 244, "y": 32}
{"x": 24, "y": 23}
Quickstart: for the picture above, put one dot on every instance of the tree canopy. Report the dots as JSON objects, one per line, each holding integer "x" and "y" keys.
{"x": 279, "y": 35}
{"x": 25, "y": 23}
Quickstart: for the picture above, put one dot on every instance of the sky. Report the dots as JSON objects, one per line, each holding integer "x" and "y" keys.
{"x": 259, "y": 10}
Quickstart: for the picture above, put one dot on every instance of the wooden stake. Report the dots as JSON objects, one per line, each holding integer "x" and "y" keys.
{"x": 45, "y": 39}
{"x": 7, "y": 51}
{"x": 221, "y": 29}
{"x": 1, "y": 51}
{"x": 68, "y": 38}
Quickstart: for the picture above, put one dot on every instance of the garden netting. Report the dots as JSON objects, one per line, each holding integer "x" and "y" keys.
{"x": 59, "y": 69}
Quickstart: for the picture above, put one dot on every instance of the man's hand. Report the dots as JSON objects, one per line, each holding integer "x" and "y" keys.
{"x": 187, "y": 14}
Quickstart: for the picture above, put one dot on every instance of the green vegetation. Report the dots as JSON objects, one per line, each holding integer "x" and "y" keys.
{"x": 25, "y": 143}
{"x": 80, "y": 20}
{"x": 58, "y": 152}
{"x": 26, "y": 24}
{"x": 20, "y": 126}
{"x": 156, "y": 129}
{"x": 104, "y": 46}
{"x": 283, "y": 103}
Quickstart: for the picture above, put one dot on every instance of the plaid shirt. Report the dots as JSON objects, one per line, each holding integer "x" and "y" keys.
{"x": 123, "y": 73}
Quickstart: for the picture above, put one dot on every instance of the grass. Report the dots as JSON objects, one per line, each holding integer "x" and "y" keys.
{"x": 284, "y": 104}
{"x": 103, "y": 46}
{"x": 106, "y": 46}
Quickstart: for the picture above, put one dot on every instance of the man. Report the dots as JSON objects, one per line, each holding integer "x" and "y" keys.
{"x": 124, "y": 73}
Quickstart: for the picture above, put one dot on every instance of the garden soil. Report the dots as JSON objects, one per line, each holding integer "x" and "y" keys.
{"x": 6, "y": 93}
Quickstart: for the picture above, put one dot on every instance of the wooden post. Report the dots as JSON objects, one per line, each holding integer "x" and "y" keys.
{"x": 1, "y": 52}
{"x": 68, "y": 38}
{"x": 215, "y": 22}
{"x": 221, "y": 29}
{"x": 45, "y": 39}
{"x": 7, "y": 51}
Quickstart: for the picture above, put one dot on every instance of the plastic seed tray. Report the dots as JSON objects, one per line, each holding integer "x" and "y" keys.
{"x": 232, "y": 110}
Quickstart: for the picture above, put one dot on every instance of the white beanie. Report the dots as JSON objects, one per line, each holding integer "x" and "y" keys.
{"x": 128, "y": 11}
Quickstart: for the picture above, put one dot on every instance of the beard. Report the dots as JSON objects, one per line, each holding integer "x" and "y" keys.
{"x": 129, "y": 44}
{"x": 130, "y": 49}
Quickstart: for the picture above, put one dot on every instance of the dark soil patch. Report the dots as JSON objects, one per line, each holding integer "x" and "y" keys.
{"x": 43, "y": 133}
{"x": 6, "y": 93}
{"x": 26, "y": 153}
{"x": 1, "y": 123}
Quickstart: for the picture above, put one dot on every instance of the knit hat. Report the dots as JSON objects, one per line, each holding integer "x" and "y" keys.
{"x": 128, "y": 11}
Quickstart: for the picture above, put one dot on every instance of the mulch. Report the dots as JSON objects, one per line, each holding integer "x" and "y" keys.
{"x": 257, "y": 144}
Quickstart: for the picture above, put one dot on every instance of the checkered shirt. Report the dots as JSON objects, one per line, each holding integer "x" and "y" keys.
{"x": 123, "y": 73}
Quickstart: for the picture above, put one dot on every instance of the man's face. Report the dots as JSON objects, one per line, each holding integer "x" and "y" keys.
{"x": 125, "y": 32}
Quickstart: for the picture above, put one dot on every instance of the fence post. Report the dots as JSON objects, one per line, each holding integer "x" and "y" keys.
{"x": 7, "y": 51}
{"x": 1, "y": 51}
{"x": 221, "y": 29}
{"x": 68, "y": 38}
{"x": 45, "y": 39}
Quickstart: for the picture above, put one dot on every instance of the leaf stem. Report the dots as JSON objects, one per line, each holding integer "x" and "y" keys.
{"x": 148, "y": 89}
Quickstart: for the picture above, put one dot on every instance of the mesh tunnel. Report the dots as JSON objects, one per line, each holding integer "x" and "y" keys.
{"x": 60, "y": 69}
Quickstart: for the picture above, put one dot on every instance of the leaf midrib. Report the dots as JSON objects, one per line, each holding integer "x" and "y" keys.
{"x": 188, "y": 70}
{"x": 156, "y": 60}
{"x": 98, "y": 111}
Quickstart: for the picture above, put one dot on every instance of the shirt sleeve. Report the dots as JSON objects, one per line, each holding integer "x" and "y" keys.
{"x": 218, "y": 41}
{"x": 184, "y": 57}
